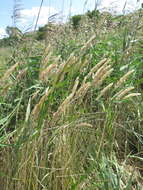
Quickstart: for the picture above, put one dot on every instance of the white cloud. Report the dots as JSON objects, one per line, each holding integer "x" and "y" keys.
{"x": 2, "y": 33}
{"x": 119, "y": 6}
{"x": 115, "y": 6}
{"x": 29, "y": 16}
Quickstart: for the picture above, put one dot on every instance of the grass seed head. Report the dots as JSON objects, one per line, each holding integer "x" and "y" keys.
{"x": 132, "y": 95}
{"x": 120, "y": 94}
{"x": 101, "y": 77}
{"x": 9, "y": 71}
{"x": 102, "y": 93}
{"x": 124, "y": 78}
{"x": 38, "y": 106}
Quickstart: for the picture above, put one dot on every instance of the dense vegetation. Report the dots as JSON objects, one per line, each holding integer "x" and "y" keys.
{"x": 71, "y": 105}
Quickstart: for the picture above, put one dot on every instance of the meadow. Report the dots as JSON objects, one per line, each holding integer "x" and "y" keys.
{"x": 71, "y": 106}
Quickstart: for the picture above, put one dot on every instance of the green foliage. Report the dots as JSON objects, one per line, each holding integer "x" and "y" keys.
{"x": 5, "y": 42}
{"x": 13, "y": 32}
{"x": 41, "y": 33}
{"x": 75, "y": 20}
{"x": 14, "y": 36}
{"x": 93, "y": 14}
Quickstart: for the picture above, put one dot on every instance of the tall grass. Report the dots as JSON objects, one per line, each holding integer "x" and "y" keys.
{"x": 73, "y": 122}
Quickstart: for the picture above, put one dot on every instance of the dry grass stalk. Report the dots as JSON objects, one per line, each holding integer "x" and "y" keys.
{"x": 46, "y": 56}
{"x": 72, "y": 59}
{"x": 101, "y": 77}
{"x": 121, "y": 93}
{"x": 75, "y": 86}
{"x": 47, "y": 72}
{"x": 132, "y": 95}
{"x": 102, "y": 93}
{"x": 97, "y": 68}
{"x": 87, "y": 45}
{"x": 101, "y": 64}
{"x": 84, "y": 125}
{"x": 101, "y": 71}
{"x": 38, "y": 106}
{"x": 122, "y": 79}
{"x": 66, "y": 102}
{"x": 8, "y": 73}
{"x": 67, "y": 63}
{"x": 47, "y": 50}
{"x": 28, "y": 110}
{"x": 83, "y": 90}
{"x": 45, "y": 60}
{"x": 104, "y": 77}
{"x": 70, "y": 62}
{"x": 81, "y": 65}
{"x": 63, "y": 68}
{"x": 35, "y": 95}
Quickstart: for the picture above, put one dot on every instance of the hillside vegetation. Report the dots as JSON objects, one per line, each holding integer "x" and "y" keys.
{"x": 71, "y": 107}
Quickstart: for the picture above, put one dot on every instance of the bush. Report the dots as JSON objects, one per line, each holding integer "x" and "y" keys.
{"x": 93, "y": 14}
{"x": 76, "y": 21}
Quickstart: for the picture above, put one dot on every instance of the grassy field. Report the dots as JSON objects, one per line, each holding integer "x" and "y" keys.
{"x": 71, "y": 107}
{"x": 4, "y": 56}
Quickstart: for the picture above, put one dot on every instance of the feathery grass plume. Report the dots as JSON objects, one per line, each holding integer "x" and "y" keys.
{"x": 71, "y": 60}
{"x": 87, "y": 45}
{"x": 82, "y": 64}
{"x": 83, "y": 90}
{"x": 69, "y": 63}
{"x": 47, "y": 50}
{"x": 66, "y": 102}
{"x": 38, "y": 106}
{"x": 46, "y": 59}
{"x": 84, "y": 124}
{"x": 46, "y": 73}
{"x": 46, "y": 56}
{"x": 8, "y": 73}
{"x": 101, "y": 74}
{"x": 122, "y": 79}
{"x": 101, "y": 71}
{"x": 121, "y": 93}
{"x": 97, "y": 83}
{"x": 97, "y": 68}
{"x": 63, "y": 67}
{"x": 75, "y": 85}
{"x": 102, "y": 93}
{"x": 132, "y": 95}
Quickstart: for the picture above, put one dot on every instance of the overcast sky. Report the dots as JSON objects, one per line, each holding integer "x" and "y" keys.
{"x": 50, "y": 7}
